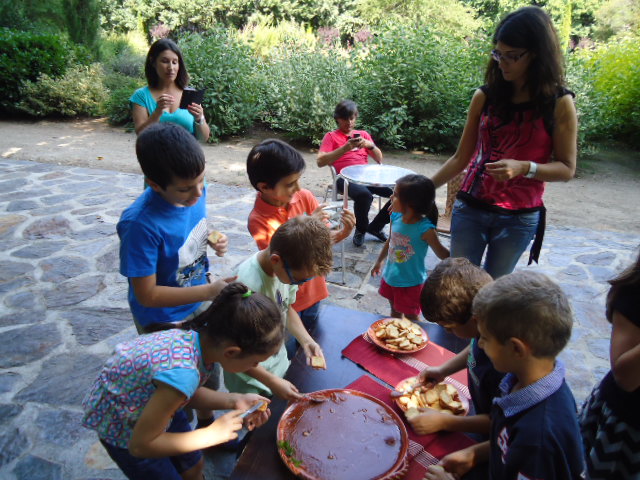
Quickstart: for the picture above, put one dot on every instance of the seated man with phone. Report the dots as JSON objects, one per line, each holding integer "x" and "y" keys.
{"x": 345, "y": 147}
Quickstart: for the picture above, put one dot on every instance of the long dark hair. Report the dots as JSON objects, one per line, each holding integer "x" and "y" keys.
{"x": 247, "y": 319}
{"x": 529, "y": 28}
{"x": 157, "y": 47}
{"x": 630, "y": 277}
{"x": 418, "y": 193}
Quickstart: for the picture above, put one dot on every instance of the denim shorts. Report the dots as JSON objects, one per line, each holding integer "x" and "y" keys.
{"x": 167, "y": 468}
{"x": 505, "y": 237}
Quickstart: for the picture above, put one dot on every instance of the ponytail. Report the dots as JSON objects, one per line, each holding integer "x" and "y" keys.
{"x": 247, "y": 319}
{"x": 418, "y": 193}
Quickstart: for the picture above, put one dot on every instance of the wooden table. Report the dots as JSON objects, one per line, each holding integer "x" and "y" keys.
{"x": 336, "y": 328}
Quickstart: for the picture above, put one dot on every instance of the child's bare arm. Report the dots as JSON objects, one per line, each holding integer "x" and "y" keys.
{"x": 431, "y": 237}
{"x": 150, "y": 440}
{"x": 377, "y": 267}
{"x": 298, "y": 330}
{"x": 348, "y": 222}
{"x": 279, "y": 386}
{"x": 432, "y": 421}
{"x": 451, "y": 366}
{"x": 149, "y": 294}
{"x": 460, "y": 462}
{"x": 625, "y": 352}
{"x": 208, "y": 399}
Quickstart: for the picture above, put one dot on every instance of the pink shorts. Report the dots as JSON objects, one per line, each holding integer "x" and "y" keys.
{"x": 403, "y": 299}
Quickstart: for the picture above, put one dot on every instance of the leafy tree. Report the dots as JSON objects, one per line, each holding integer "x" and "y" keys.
{"x": 617, "y": 16}
{"x": 449, "y": 16}
{"x": 82, "y": 21}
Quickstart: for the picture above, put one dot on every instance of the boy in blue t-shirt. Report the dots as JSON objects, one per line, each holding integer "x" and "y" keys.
{"x": 163, "y": 234}
{"x": 446, "y": 299}
{"x": 525, "y": 321}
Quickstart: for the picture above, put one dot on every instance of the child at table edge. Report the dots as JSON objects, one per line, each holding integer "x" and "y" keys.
{"x": 274, "y": 169}
{"x": 299, "y": 250}
{"x": 163, "y": 234}
{"x": 446, "y": 299}
{"x": 525, "y": 320}
{"x": 136, "y": 403}
{"x": 414, "y": 216}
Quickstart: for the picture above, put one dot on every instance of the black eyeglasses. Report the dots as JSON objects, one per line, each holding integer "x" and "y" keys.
{"x": 290, "y": 275}
{"x": 507, "y": 57}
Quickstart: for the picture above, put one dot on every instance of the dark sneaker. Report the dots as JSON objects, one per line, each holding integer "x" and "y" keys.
{"x": 358, "y": 239}
{"x": 379, "y": 234}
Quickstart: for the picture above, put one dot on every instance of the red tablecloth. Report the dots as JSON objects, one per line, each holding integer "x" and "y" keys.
{"x": 424, "y": 450}
{"x": 393, "y": 368}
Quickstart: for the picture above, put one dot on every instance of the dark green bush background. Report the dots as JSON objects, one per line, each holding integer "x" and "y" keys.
{"x": 411, "y": 66}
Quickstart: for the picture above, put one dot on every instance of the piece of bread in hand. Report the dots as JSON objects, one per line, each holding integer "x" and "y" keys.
{"x": 318, "y": 362}
{"x": 214, "y": 237}
{"x": 411, "y": 412}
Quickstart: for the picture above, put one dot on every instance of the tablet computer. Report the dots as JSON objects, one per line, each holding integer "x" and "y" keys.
{"x": 191, "y": 95}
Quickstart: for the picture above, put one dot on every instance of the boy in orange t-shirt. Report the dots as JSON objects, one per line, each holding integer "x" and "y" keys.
{"x": 274, "y": 169}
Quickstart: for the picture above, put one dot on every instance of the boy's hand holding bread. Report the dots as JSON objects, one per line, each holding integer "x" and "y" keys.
{"x": 315, "y": 357}
{"x": 219, "y": 242}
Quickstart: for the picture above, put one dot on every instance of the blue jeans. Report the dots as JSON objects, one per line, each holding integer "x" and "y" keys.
{"x": 167, "y": 468}
{"x": 504, "y": 237}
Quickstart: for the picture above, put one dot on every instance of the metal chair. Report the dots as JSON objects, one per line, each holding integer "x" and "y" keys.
{"x": 333, "y": 189}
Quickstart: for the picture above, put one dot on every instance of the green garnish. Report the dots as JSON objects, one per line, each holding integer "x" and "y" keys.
{"x": 290, "y": 452}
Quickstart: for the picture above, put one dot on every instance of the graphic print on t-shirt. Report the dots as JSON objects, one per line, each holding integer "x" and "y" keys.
{"x": 401, "y": 249}
{"x": 192, "y": 255}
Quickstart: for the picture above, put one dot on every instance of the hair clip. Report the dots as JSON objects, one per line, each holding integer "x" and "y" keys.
{"x": 247, "y": 294}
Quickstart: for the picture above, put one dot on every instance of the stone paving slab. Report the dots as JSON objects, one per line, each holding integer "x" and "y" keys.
{"x": 63, "y": 303}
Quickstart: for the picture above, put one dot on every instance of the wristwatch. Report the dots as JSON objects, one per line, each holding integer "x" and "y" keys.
{"x": 533, "y": 168}
{"x": 200, "y": 120}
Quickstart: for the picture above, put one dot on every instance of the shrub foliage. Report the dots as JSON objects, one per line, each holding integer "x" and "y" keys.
{"x": 226, "y": 67}
{"x": 24, "y": 56}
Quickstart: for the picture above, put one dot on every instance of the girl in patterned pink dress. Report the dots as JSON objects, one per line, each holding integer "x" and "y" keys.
{"x": 136, "y": 402}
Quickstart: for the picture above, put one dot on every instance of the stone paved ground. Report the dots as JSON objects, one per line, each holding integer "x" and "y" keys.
{"x": 63, "y": 304}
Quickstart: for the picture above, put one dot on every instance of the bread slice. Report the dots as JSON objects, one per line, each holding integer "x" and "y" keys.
{"x": 318, "y": 362}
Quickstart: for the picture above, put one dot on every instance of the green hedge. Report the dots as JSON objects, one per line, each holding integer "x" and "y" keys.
{"x": 226, "y": 67}
{"x": 301, "y": 88}
{"x": 414, "y": 86}
{"x": 79, "y": 92}
{"x": 606, "y": 80}
{"x": 24, "y": 56}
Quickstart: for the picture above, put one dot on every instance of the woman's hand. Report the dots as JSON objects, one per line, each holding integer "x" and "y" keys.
{"x": 429, "y": 421}
{"x": 165, "y": 102}
{"x": 506, "y": 169}
{"x": 197, "y": 111}
{"x": 225, "y": 428}
{"x": 285, "y": 389}
{"x": 312, "y": 349}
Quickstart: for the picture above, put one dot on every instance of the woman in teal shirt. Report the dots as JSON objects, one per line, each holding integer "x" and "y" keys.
{"x": 167, "y": 78}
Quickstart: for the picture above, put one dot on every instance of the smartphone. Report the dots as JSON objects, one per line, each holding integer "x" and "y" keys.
{"x": 191, "y": 95}
{"x": 356, "y": 135}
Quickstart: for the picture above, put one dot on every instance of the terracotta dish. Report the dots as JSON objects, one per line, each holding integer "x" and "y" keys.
{"x": 451, "y": 401}
{"x": 412, "y": 330}
{"x": 349, "y": 436}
